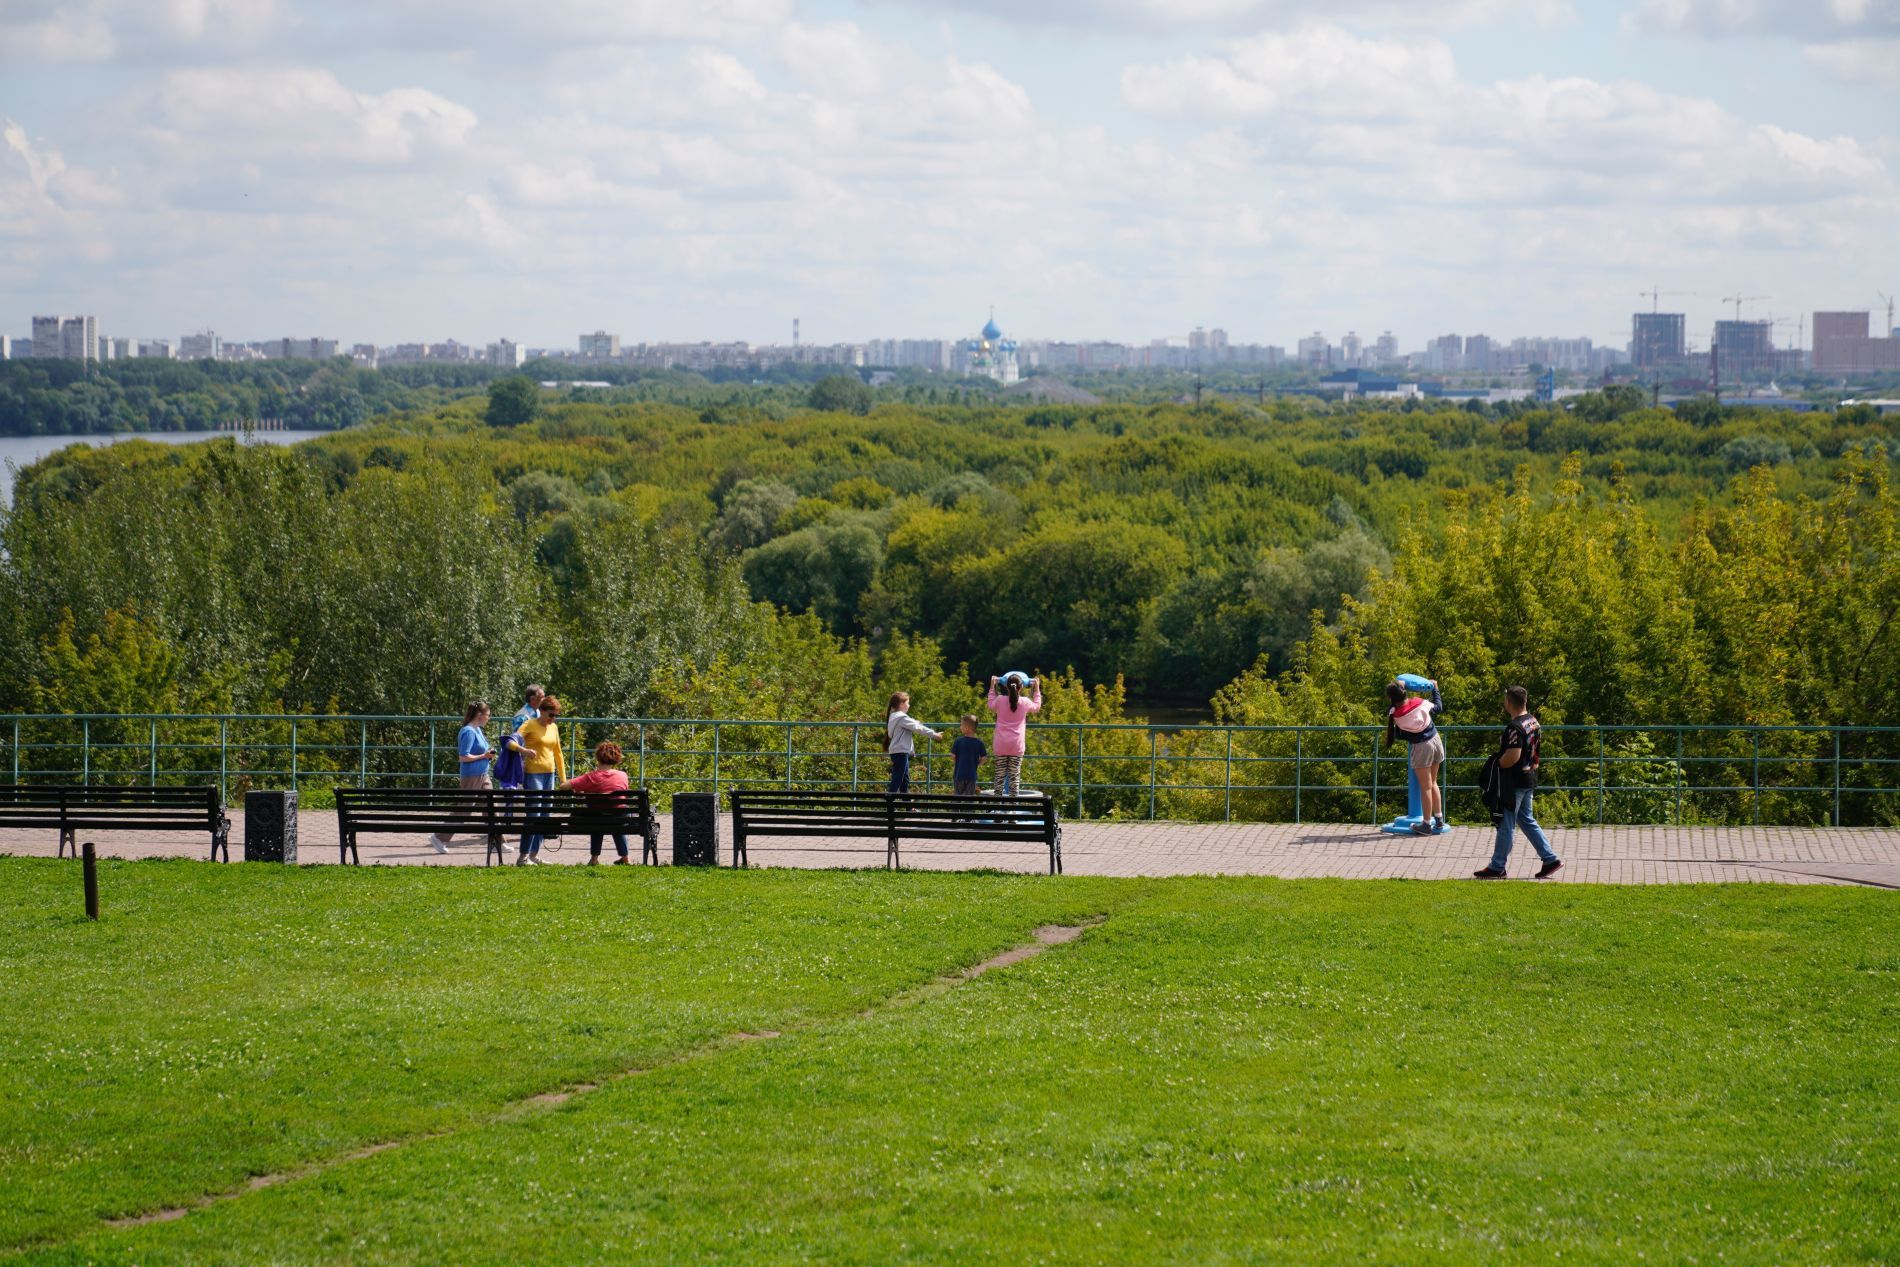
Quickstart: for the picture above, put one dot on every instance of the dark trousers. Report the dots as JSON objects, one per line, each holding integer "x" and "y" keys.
{"x": 900, "y": 773}
{"x": 620, "y": 844}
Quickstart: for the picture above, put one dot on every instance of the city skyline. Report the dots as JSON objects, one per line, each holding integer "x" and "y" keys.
{"x": 1095, "y": 169}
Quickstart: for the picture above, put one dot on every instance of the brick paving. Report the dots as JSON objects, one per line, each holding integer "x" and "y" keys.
{"x": 1600, "y": 855}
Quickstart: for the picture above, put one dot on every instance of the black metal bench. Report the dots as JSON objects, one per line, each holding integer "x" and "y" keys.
{"x": 493, "y": 813}
{"x": 71, "y": 809}
{"x": 1029, "y": 820}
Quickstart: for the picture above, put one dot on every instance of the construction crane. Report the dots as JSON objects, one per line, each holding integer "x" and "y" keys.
{"x": 1889, "y": 298}
{"x": 1739, "y": 300}
{"x": 1655, "y": 296}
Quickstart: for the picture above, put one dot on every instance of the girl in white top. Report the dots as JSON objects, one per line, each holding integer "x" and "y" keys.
{"x": 900, "y": 732}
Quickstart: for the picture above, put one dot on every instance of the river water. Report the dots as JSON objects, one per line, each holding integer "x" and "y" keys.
{"x": 18, "y": 451}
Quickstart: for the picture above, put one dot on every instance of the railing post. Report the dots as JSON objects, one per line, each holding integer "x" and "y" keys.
{"x": 152, "y": 753}
{"x": 715, "y": 766}
{"x": 643, "y": 754}
{"x": 1299, "y": 770}
{"x": 85, "y": 750}
{"x": 1376, "y": 736}
{"x": 224, "y": 736}
{"x": 1154, "y": 746}
{"x": 1599, "y": 774}
{"x": 295, "y": 767}
{"x": 1227, "y": 809}
{"x": 1079, "y": 732}
{"x": 362, "y": 754}
{"x": 1755, "y": 748}
{"x": 1837, "y": 775}
{"x": 1679, "y": 776}
{"x": 430, "y": 780}
{"x": 788, "y": 756}
{"x": 16, "y": 751}
{"x": 854, "y": 756}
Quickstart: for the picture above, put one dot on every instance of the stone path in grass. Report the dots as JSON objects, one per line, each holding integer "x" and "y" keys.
{"x": 1601, "y": 855}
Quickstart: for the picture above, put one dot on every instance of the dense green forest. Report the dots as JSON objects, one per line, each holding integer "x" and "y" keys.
{"x": 1629, "y": 565}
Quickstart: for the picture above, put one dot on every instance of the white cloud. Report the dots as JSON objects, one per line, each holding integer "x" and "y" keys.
{"x": 1396, "y": 121}
{"x": 135, "y": 30}
{"x": 308, "y": 112}
{"x": 173, "y": 32}
{"x": 1810, "y": 18}
{"x": 837, "y": 56}
{"x": 1875, "y": 62}
{"x": 1174, "y": 15}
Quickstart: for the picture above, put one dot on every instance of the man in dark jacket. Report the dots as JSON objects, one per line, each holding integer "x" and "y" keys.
{"x": 1519, "y": 758}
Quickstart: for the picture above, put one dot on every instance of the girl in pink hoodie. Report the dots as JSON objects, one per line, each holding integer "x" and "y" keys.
{"x": 1012, "y": 719}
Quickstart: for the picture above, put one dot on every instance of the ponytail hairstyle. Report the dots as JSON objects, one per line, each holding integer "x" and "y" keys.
{"x": 898, "y": 703}
{"x": 475, "y": 709}
{"x": 1015, "y": 691}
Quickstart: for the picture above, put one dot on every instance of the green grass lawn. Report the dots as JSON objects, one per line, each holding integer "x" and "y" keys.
{"x": 1222, "y": 1071}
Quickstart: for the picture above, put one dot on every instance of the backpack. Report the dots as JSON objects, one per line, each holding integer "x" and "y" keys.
{"x": 1414, "y": 717}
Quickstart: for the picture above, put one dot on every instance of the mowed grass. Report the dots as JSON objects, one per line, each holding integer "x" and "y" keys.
{"x": 224, "y": 1022}
{"x": 1222, "y": 1071}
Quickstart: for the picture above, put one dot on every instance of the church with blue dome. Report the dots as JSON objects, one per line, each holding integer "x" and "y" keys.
{"x": 990, "y": 355}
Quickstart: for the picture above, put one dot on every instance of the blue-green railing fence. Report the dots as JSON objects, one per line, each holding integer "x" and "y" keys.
{"x": 1842, "y": 775}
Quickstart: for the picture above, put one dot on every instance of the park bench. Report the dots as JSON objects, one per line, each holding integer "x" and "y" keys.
{"x": 946, "y": 820}
{"x": 494, "y": 813}
{"x": 71, "y": 809}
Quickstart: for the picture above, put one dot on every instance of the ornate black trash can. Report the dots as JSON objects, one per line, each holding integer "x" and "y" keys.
{"x": 270, "y": 827}
{"x": 695, "y": 829}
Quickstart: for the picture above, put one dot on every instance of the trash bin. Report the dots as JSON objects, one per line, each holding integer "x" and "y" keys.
{"x": 695, "y": 829}
{"x": 270, "y": 827}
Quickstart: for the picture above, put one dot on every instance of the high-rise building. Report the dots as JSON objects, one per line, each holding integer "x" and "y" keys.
{"x": 1478, "y": 353}
{"x": 1385, "y": 349}
{"x": 507, "y": 353}
{"x": 1446, "y": 352}
{"x": 1314, "y": 350}
{"x": 203, "y": 346}
{"x": 1656, "y": 338}
{"x": 9, "y": 347}
{"x": 600, "y": 346}
{"x": 124, "y": 349}
{"x": 1842, "y": 345}
{"x": 1352, "y": 350}
{"x": 158, "y": 349}
{"x": 70, "y": 338}
{"x": 299, "y": 349}
{"x": 1744, "y": 348}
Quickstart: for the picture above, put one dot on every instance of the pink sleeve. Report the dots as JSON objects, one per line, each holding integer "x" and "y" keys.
{"x": 1033, "y": 704}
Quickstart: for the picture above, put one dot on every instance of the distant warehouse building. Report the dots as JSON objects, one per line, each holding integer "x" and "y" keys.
{"x": 1842, "y": 345}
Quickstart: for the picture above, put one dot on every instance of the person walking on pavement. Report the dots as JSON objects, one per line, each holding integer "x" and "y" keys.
{"x": 545, "y": 765}
{"x": 1519, "y": 756}
{"x": 475, "y": 755}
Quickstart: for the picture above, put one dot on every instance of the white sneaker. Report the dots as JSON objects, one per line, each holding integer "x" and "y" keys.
{"x": 438, "y": 844}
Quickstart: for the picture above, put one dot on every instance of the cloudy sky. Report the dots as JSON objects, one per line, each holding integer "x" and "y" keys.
{"x": 709, "y": 169}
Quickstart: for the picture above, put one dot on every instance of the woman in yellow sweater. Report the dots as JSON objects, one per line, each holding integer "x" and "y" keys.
{"x": 545, "y": 765}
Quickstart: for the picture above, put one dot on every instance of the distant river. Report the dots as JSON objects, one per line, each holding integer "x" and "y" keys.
{"x": 17, "y": 451}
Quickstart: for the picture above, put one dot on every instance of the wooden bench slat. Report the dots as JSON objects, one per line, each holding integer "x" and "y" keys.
{"x": 894, "y": 818}
{"x": 73, "y": 808}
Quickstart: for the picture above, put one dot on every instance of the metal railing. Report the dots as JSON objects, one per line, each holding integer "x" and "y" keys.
{"x": 1840, "y": 775}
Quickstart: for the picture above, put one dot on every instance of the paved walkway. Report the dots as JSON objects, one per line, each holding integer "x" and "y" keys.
{"x": 1601, "y": 855}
